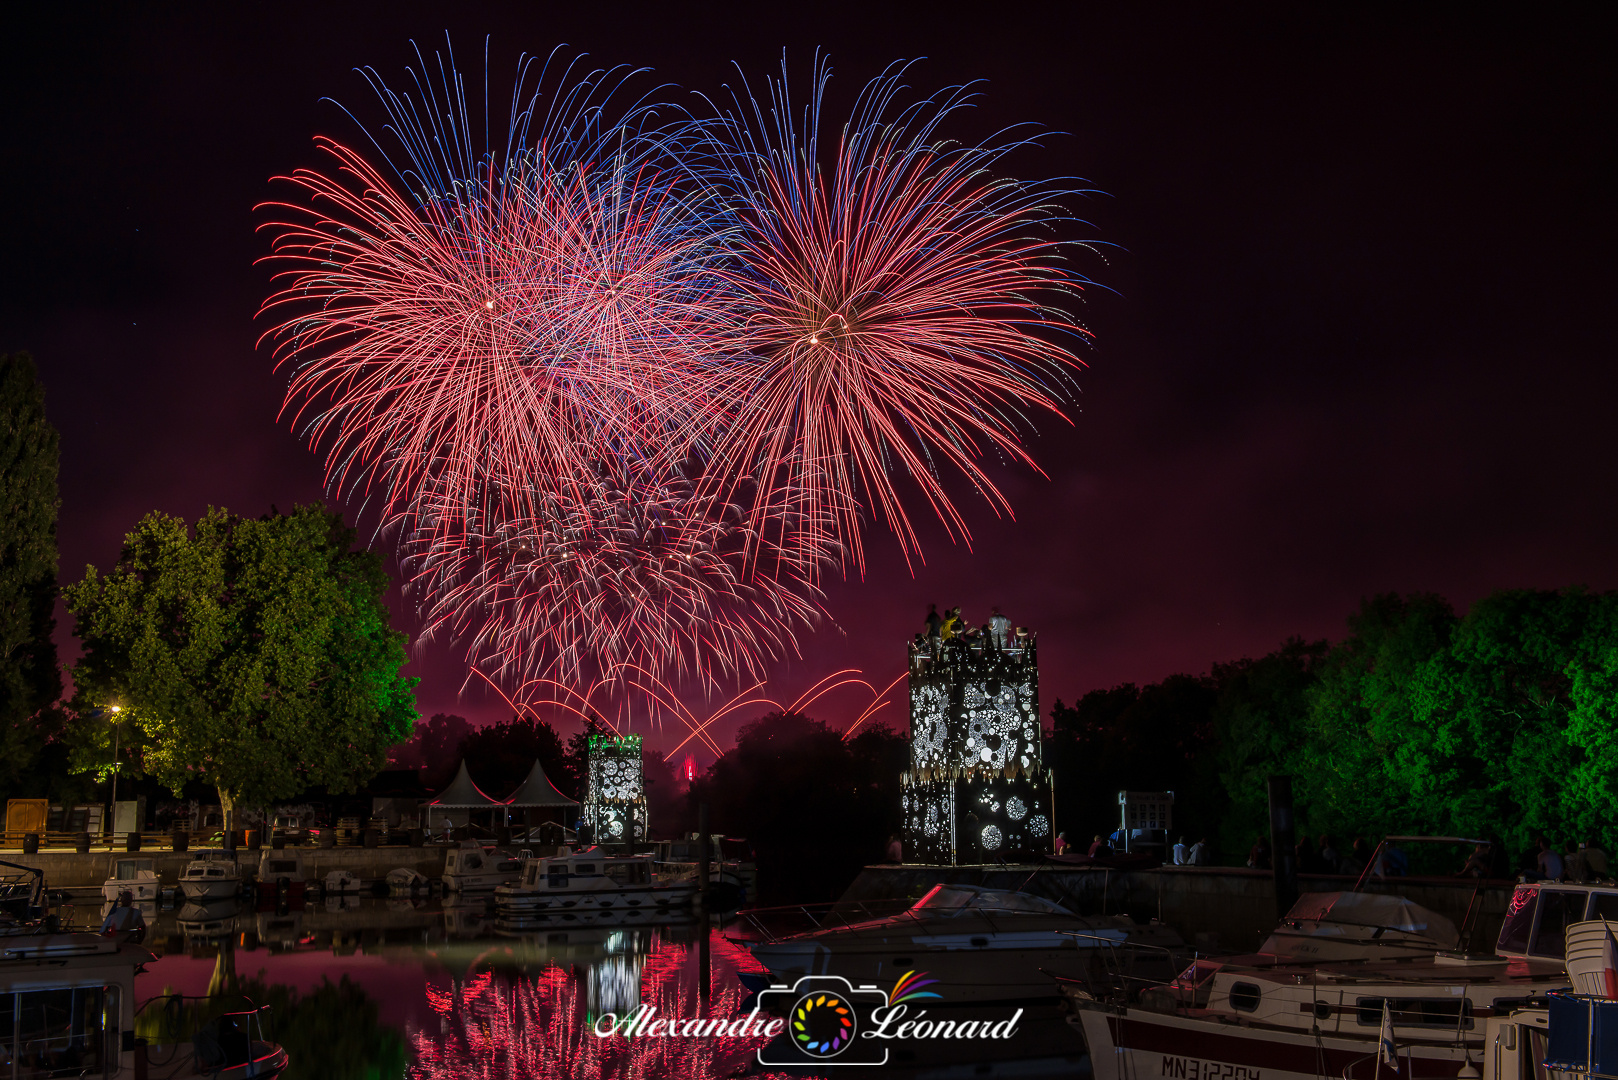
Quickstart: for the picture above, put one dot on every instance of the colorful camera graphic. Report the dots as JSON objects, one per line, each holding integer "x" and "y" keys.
{"x": 824, "y": 1016}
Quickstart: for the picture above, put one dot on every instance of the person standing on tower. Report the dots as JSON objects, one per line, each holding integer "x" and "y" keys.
{"x": 934, "y": 623}
{"x": 999, "y": 628}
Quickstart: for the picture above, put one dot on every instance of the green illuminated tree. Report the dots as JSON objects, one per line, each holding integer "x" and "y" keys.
{"x": 254, "y": 655}
{"x": 30, "y": 681}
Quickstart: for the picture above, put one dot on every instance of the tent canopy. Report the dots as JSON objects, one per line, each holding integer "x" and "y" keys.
{"x": 462, "y": 794}
{"x": 537, "y": 790}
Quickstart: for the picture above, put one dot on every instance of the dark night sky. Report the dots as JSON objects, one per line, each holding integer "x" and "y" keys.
{"x": 1359, "y": 340}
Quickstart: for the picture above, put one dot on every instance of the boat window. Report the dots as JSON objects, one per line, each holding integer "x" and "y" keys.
{"x": 57, "y": 1032}
{"x": 214, "y": 871}
{"x": 1519, "y": 920}
{"x": 620, "y": 874}
{"x": 129, "y": 869}
{"x": 472, "y": 862}
{"x": 1244, "y": 997}
{"x": 951, "y": 899}
{"x": 942, "y": 898}
{"x": 558, "y": 876}
{"x": 1603, "y": 905}
{"x": 1556, "y": 909}
{"x": 1444, "y": 1012}
{"x": 584, "y": 868}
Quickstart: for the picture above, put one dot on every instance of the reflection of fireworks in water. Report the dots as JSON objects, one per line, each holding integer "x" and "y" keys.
{"x": 542, "y": 1027}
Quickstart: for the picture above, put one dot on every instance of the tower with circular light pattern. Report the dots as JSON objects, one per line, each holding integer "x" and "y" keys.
{"x": 977, "y": 790}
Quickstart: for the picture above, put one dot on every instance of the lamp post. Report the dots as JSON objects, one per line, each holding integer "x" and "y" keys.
{"x": 114, "y": 822}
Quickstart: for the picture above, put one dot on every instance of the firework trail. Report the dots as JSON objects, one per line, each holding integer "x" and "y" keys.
{"x": 898, "y": 305}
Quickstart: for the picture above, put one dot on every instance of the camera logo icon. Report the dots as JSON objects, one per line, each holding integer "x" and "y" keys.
{"x": 823, "y": 1024}
{"x": 824, "y": 1017}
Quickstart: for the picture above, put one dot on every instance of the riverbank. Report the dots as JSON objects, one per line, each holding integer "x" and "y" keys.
{"x": 1213, "y": 907}
{"x": 72, "y": 870}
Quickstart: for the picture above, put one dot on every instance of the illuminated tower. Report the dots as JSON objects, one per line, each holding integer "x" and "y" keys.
{"x": 615, "y": 797}
{"x": 976, "y": 790}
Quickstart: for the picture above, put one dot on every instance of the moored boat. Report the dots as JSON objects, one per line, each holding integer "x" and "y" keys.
{"x": 281, "y": 875}
{"x": 138, "y": 877}
{"x": 589, "y": 880}
{"x": 979, "y": 944}
{"x": 473, "y": 868}
{"x": 74, "y": 999}
{"x": 211, "y": 876}
{"x": 1287, "y": 1016}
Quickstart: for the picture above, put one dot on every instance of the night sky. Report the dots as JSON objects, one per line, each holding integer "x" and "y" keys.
{"x": 1359, "y": 338}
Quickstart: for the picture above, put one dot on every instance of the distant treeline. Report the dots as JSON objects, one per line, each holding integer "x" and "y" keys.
{"x": 1500, "y": 722}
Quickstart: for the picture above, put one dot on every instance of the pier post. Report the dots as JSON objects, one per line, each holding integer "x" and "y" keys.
{"x": 1283, "y": 845}
{"x": 703, "y": 979}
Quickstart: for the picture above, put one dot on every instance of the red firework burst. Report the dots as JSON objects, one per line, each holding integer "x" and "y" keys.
{"x": 896, "y": 309}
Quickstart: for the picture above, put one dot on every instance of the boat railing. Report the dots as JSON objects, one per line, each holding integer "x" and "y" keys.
{"x": 216, "y": 1036}
{"x": 1122, "y": 969}
{"x": 775, "y": 923}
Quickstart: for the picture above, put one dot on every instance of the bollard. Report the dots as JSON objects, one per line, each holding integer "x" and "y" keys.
{"x": 81, "y": 843}
{"x": 369, "y": 838}
{"x": 417, "y": 838}
{"x": 132, "y": 841}
{"x": 278, "y": 842}
{"x": 30, "y": 843}
{"x": 181, "y": 840}
{"x": 328, "y": 838}
{"x": 230, "y": 839}
{"x": 255, "y": 839}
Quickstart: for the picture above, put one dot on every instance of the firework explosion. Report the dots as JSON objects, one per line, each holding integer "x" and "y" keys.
{"x": 626, "y": 386}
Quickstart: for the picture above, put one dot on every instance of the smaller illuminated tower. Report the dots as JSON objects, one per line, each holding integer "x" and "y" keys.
{"x": 615, "y": 796}
{"x": 977, "y": 790}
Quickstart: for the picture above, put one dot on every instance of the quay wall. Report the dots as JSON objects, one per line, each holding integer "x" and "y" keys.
{"x": 70, "y": 870}
{"x": 1210, "y": 906}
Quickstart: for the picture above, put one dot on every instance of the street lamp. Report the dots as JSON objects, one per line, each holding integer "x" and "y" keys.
{"x": 114, "y": 823}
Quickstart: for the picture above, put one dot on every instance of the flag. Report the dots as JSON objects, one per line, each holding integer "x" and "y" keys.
{"x": 1388, "y": 1055}
{"x": 1609, "y": 960}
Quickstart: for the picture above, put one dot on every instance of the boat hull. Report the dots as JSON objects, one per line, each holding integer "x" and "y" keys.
{"x": 1127, "y": 1044}
{"x": 211, "y": 888}
{"x": 532, "y": 902}
{"x": 139, "y": 890}
{"x": 1024, "y": 971}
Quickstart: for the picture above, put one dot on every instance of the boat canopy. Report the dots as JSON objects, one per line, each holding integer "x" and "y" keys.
{"x": 1374, "y": 910}
{"x": 462, "y": 794}
{"x": 538, "y": 791}
{"x": 947, "y": 900}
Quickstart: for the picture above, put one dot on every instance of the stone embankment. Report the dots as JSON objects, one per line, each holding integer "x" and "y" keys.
{"x": 71, "y": 870}
{"x": 1210, "y": 906}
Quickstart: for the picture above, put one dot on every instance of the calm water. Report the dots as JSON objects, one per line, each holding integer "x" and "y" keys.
{"x": 398, "y": 988}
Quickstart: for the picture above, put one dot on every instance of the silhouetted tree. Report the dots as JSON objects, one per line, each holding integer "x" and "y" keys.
{"x": 30, "y": 681}
{"x": 499, "y": 756}
{"x": 434, "y": 748}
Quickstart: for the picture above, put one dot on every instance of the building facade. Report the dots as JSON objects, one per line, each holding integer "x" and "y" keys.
{"x": 977, "y": 790}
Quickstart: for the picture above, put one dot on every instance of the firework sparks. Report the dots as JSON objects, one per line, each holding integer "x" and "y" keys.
{"x": 897, "y": 308}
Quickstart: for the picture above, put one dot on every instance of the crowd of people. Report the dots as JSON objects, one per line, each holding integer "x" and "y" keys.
{"x": 1544, "y": 861}
{"x": 952, "y": 628}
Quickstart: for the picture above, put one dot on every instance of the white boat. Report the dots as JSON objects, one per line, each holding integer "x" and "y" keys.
{"x": 472, "y": 868}
{"x": 979, "y": 944}
{"x": 404, "y": 881}
{"x": 1291, "y": 1018}
{"x": 211, "y": 876}
{"x": 338, "y": 882}
{"x": 74, "y": 997}
{"x": 282, "y": 873}
{"x": 138, "y": 877}
{"x": 589, "y": 880}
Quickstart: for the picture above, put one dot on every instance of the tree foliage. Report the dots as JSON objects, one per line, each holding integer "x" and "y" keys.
{"x": 500, "y": 756}
{"x": 30, "y": 681}
{"x": 252, "y": 654}
{"x": 815, "y": 807}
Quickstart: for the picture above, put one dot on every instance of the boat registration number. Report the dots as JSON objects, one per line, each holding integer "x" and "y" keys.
{"x": 1195, "y": 1069}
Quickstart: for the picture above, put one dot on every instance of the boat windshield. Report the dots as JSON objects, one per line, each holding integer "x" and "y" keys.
{"x": 947, "y": 900}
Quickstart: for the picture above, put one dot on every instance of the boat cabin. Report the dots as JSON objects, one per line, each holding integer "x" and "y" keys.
{"x": 1539, "y": 914}
{"x": 588, "y": 869}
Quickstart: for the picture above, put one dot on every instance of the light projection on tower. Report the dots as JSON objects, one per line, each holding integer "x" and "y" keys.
{"x": 976, "y": 789}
